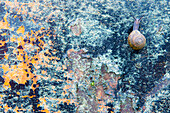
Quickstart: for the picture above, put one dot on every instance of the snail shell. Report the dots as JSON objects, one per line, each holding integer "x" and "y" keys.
{"x": 136, "y": 40}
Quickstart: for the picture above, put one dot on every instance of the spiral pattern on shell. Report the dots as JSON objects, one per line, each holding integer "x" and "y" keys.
{"x": 136, "y": 40}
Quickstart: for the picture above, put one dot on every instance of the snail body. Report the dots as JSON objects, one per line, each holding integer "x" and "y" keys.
{"x": 136, "y": 40}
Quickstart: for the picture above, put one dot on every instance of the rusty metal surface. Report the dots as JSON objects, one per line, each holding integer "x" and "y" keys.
{"x": 73, "y": 57}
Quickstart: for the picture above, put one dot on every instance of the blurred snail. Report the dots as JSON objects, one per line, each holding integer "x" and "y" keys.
{"x": 136, "y": 40}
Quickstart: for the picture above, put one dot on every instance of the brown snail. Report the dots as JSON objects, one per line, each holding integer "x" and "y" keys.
{"x": 136, "y": 40}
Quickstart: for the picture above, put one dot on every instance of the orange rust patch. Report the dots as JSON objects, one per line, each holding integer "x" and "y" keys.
{"x": 21, "y": 29}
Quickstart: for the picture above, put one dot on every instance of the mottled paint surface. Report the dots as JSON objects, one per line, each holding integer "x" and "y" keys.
{"x": 73, "y": 57}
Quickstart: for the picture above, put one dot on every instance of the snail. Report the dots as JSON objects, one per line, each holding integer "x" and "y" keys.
{"x": 136, "y": 40}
